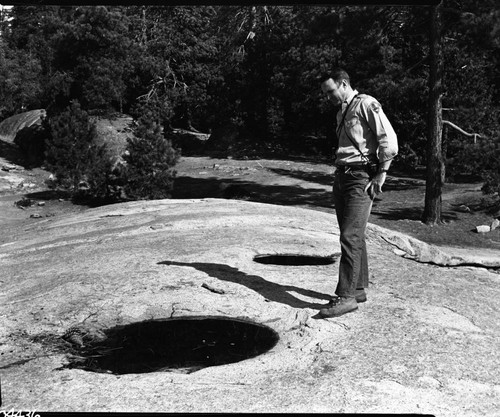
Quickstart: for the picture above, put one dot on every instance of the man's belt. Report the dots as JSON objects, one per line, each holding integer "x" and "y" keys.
{"x": 353, "y": 167}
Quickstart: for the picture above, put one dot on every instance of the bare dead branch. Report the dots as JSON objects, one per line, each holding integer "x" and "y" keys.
{"x": 213, "y": 289}
{"x": 463, "y": 132}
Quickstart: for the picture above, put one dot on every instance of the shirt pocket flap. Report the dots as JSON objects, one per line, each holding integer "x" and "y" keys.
{"x": 352, "y": 122}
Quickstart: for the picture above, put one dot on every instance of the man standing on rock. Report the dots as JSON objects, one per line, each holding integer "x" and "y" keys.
{"x": 366, "y": 146}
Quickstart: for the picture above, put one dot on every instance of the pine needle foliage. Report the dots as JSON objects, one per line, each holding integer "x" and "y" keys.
{"x": 150, "y": 160}
{"x": 79, "y": 164}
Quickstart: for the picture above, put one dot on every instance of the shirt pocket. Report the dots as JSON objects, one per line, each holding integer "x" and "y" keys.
{"x": 354, "y": 125}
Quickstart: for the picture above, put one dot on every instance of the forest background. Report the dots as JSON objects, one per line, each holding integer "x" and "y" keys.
{"x": 253, "y": 67}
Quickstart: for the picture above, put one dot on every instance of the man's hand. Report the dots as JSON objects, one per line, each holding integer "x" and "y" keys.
{"x": 374, "y": 187}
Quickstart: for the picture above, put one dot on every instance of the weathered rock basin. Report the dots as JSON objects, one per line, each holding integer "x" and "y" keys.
{"x": 425, "y": 342}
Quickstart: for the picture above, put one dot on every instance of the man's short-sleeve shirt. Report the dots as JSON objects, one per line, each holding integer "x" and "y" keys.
{"x": 367, "y": 125}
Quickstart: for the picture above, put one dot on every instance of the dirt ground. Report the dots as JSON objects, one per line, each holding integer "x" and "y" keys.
{"x": 303, "y": 183}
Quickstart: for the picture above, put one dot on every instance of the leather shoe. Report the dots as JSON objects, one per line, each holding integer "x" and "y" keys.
{"x": 360, "y": 295}
{"x": 338, "y": 306}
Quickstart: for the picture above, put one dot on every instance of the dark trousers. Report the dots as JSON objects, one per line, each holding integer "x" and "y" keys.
{"x": 353, "y": 206}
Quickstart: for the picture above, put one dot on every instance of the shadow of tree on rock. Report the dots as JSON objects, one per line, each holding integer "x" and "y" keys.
{"x": 400, "y": 185}
{"x": 187, "y": 187}
{"x": 50, "y": 195}
{"x": 12, "y": 154}
{"x": 407, "y": 213}
{"x": 318, "y": 177}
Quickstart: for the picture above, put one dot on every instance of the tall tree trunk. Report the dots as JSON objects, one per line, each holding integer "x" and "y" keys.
{"x": 444, "y": 147}
{"x": 435, "y": 162}
{"x": 144, "y": 33}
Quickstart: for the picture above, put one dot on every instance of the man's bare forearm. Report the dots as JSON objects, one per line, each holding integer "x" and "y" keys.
{"x": 384, "y": 166}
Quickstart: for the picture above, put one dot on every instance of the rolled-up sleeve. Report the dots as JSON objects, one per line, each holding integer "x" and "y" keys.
{"x": 381, "y": 127}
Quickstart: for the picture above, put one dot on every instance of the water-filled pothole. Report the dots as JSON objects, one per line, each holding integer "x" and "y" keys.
{"x": 294, "y": 259}
{"x": 183, "y": 344}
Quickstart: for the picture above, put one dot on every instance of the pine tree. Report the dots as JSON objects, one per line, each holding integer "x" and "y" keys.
{"x": 72, "y": 155}
{"x": 150, "y": 160}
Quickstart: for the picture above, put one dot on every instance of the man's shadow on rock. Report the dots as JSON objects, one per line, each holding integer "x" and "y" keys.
{"x": 269, "y": 290}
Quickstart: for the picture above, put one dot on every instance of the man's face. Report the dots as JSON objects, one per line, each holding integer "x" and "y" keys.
{"x": 334, "y": 91}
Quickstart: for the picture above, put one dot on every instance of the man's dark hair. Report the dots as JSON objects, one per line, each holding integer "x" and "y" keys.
{"x": 337, "y": 75}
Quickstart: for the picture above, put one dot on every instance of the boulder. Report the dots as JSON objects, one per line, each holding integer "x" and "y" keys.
{"x": 12, "y": 125}
{"x": 483, "y": 229}
{"x": 24, "y": 131}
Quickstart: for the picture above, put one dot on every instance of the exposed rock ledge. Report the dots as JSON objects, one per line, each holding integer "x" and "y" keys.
{"x": 425, "y": 342}
{"x": 417, "y": 250}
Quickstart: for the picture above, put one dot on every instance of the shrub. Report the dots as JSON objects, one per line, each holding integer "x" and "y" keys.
{"x": 150, "y": 160}
{"x": 481, "y": 160}
{"x": 72, "y": 155}
{"x": 407, "y": 159}
{"x": 490, "y": 171}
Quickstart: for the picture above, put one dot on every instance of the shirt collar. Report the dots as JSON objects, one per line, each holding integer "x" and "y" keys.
{"x": 350, "y": 97}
